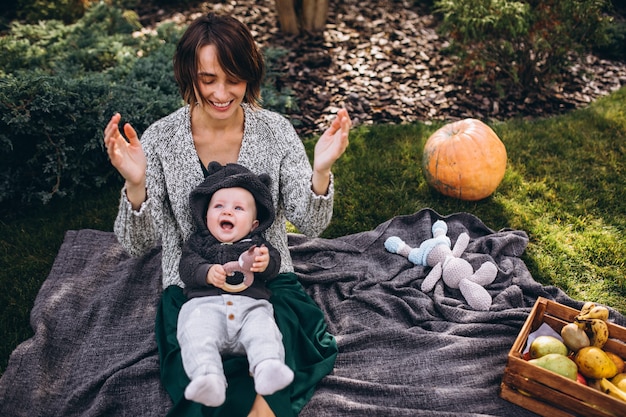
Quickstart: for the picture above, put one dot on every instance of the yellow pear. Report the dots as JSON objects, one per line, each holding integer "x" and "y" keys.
{"x": 543, "y": 345}
{"x": 594, "y": 363}
{"x": 558, "y": 363}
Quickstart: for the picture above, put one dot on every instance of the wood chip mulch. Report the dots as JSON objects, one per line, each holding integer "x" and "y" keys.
{"x": 383, "y": 61}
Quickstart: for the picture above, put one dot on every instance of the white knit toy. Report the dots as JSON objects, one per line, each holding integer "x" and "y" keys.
{"x": 447, "y": 265}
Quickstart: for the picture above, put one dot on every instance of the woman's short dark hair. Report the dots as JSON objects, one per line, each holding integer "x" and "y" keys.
{"x": 237, "y": 54}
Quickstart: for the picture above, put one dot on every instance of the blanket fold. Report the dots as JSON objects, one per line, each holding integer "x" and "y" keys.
{"x": 93, "y": 351}
{"x": 402, "y": 352}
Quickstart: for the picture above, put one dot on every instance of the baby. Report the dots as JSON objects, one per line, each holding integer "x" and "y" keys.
{"x": 230, "y": 209}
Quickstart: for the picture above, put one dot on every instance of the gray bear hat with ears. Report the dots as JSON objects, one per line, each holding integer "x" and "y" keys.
{"x": 230, "y": 176}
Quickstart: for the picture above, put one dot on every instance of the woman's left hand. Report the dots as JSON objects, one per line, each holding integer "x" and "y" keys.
{"x": 332, "y": 144}
{"x": 329, "y": 147}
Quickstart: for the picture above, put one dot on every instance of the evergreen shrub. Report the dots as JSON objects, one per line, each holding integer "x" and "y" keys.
{"x": 614, "y": 47}
{"x": 67, "y": 11}
{"x": 52, "y": 117}
{"x": 51, "y": 140}
{"x": 64, "y": 10}
{"x": 520, "y": 46}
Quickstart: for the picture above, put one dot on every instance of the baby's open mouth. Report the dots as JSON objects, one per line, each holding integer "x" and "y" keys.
{"x": 225, "y": 224}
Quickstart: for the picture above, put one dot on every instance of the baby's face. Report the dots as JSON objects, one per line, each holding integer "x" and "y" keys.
{"x": 231, "y": 214}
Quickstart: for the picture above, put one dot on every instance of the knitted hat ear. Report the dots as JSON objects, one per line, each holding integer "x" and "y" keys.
{"x": 265, "y": 179}
{"x": 214, "y": 167}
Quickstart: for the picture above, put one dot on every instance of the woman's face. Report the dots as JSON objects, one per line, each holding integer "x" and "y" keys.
{"x": 222, "y": 95}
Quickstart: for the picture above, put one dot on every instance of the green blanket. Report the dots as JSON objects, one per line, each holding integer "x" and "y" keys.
{"x": 309, "y": 350}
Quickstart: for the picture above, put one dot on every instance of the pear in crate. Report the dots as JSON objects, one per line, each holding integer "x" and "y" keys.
{"x": 544, "y": 345}
{"x": 558, "y": 363}
{"x": 594, "y": 363}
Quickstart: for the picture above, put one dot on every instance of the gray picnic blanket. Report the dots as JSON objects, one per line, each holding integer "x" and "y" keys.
{"x": 402, "y": 352}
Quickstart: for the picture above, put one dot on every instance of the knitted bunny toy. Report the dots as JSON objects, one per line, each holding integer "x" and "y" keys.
{"x": 447, "y": 264}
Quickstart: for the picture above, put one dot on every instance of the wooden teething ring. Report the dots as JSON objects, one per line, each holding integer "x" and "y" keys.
{"x": 243, "y": 265}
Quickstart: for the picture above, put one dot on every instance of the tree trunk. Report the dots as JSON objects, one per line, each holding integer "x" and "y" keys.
{"x": 314, "y": 13}
{"x": 287, "y": 17}
{"x": 302, "y": 15}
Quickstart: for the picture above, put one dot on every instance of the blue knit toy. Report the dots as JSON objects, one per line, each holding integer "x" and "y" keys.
{"x": 447, "y": 264}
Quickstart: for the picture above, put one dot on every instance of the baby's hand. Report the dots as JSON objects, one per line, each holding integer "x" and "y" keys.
{"x": 261, "y": 259}
{"x": 216, "y": 276}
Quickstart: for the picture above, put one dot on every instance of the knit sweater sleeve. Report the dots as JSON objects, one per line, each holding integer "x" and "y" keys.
{"x": 137, "y": 230}
{"x": 134, "y": 229}
{"x": 309, "y": 212}
{"x": 173, "y": 171}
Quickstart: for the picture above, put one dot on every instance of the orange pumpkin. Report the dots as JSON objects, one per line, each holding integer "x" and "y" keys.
{"x": 464, "y": 160}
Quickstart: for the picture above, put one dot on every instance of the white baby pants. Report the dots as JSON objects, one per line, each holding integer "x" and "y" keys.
{"x": 212, "y": 326}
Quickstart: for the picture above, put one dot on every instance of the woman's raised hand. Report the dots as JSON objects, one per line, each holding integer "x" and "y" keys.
{"x": 127, "y": 157}
{"x": 332, "y": 144}
{"x": 329, "y": 147}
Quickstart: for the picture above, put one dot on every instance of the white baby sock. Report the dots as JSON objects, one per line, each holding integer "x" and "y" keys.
{"x": 209, "y": 390}
{"x": 270, "y": 376}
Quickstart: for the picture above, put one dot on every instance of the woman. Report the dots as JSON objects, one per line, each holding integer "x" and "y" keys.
{"x": 219, "y": 71}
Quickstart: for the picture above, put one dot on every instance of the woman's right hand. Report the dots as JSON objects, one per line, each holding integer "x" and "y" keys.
{"x": 128, "y": 158}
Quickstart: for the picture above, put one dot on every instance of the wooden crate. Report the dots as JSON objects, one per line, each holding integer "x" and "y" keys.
{"x": 547, "y": 393}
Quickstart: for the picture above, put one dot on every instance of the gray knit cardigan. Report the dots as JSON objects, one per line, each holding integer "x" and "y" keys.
{"x": 270, "y": 145}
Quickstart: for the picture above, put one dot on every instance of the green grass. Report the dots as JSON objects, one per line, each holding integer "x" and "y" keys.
{"x": 565, "y": 186}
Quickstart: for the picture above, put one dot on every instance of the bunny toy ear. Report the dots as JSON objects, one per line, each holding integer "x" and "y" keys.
{"x": 461, "y": 244}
